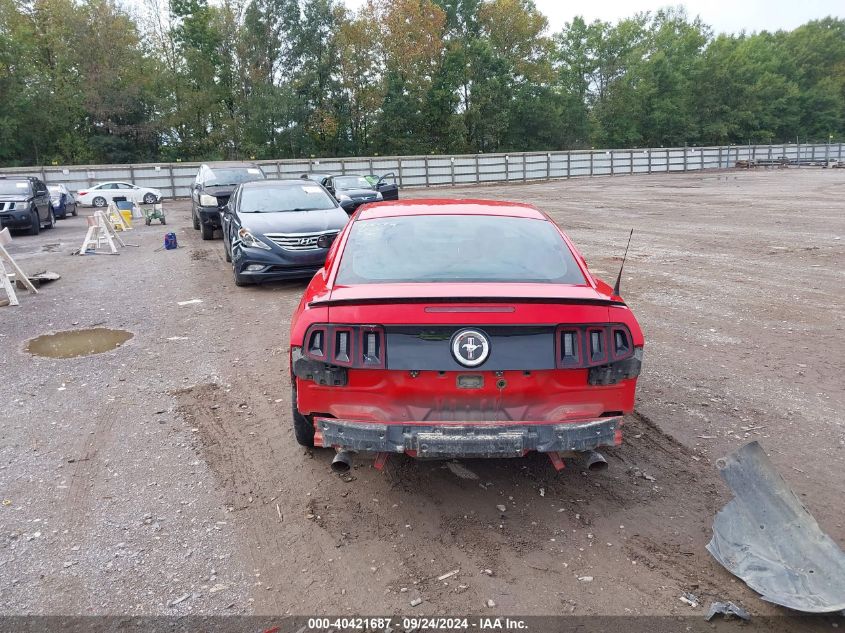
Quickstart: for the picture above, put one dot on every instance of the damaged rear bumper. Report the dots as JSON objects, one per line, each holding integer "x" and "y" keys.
{"x": 471, "y": 439}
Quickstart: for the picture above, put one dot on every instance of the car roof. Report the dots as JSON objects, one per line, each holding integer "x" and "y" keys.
{"x": 446, "y": 206}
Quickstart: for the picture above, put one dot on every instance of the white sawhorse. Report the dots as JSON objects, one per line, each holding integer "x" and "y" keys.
{"x": 17, "y": 274}
{"x": 100, "y": 231}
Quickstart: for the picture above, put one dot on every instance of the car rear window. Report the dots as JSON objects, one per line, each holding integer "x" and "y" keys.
{"x": 352, "y": 182}
{"x": 273, "y": 199}
{"x": 456, "y": 248}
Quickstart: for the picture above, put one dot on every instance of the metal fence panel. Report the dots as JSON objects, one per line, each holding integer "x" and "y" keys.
{"x": 175, "y": 179}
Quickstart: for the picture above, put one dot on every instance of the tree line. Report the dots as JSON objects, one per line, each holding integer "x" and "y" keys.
{"x": 97, "y": 81}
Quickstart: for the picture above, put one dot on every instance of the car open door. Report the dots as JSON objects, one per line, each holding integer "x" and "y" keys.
{"x": 42, "y": 199}
{"x": 387, "y": 186}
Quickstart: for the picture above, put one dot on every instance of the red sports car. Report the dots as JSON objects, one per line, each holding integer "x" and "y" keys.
{"x": 460, "y": 328}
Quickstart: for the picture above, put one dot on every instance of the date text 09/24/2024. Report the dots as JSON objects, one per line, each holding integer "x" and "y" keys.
{"x": 416, "y": 623}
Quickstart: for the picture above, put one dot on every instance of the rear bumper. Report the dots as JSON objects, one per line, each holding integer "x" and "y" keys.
{"x": 476, "y": 439}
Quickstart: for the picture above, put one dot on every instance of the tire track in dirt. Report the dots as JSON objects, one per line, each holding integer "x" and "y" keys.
{"x": 225, "y": 439}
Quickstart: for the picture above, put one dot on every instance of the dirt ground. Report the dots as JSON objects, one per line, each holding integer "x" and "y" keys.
{"x": 163, "y": 477}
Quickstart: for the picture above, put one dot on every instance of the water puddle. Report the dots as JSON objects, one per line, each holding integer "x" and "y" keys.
{"x": 73, "y": 343}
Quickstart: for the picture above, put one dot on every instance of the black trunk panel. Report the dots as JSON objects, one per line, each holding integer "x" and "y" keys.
{"x": 430, "y": 348}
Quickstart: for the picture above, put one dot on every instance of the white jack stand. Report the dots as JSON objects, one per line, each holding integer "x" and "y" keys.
{"x": 100, "y": 232}
{"x": 17, "y": 274}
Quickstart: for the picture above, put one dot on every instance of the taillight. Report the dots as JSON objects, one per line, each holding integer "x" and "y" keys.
{"x": 570, "y": 348}
{"x": 579, "y": 346}
{"x": 81, "y": 193}
{"x": 316, "y": 345}
{"x": 361, "y": 346}
{"x": 597, "y": 348}
{"x": 372, "y": 346}
{"x": 622, "y": 345}
{"x": 342, "y": 347}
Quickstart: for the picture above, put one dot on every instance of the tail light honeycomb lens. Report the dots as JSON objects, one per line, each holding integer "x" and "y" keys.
{"x": 360, "y": 346}
{"x": 581, "y": 346}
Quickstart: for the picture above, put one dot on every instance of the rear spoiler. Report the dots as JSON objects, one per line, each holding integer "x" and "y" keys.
{"x": 327, "y": 303}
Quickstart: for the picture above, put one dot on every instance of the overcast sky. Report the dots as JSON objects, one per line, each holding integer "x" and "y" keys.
{"x": 729, "y": 16}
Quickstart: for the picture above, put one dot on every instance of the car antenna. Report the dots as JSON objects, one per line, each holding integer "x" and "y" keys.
{"x": 619, "y": 277}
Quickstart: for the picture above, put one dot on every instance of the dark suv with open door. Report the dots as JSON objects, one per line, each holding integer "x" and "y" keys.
{"x": 25, "y": 204}
{"x": 211, "y": 191}
{"x": 353, "y": 190}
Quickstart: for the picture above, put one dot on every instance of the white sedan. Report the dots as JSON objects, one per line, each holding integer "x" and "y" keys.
{"x": 101, "y": 194}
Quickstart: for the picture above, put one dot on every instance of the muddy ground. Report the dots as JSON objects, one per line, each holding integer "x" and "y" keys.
{"x": 163, "y": 477}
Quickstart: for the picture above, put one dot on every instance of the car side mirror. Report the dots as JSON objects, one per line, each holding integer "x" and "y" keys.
{"x": 325, "y": 241}
{"x": 347, "y": 205}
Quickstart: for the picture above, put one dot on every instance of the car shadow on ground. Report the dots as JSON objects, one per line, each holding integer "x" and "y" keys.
{"x": 295, "y": 285}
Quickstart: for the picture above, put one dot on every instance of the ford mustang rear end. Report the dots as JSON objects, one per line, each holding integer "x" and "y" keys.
{"x": 460, "y": 329}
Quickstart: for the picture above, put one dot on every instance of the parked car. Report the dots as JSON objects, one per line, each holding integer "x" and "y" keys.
{"x": 101, "y": 194}
{"x": 62, "y": 200}
{"x": 460, "y": 328}
{"x": 279, "y": 229}
{"x": 386, "y": 185}
{"x": 350, "y": 191}
{"x": 25, "y": 204}
{"x": 211, "y": 190}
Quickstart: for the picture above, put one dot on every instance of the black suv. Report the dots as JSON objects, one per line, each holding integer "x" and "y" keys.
{"x": 352, "y": 190}
{"x": 25, "y": 204}
{"x": 211, "y": 190}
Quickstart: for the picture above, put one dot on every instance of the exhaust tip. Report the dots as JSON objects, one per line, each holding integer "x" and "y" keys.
{"x": 595, "y": 461}
{"x": 342, "y": 462}
{"x": 597, "y": 466}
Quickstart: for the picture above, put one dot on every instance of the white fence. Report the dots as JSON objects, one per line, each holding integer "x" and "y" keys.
{"x": 175, "y": 179}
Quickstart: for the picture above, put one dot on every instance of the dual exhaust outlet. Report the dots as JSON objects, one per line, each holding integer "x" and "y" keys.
{"x": 591, "y": 460}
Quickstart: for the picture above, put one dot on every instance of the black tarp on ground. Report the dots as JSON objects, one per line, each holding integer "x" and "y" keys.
{"x": 766, "y": 537}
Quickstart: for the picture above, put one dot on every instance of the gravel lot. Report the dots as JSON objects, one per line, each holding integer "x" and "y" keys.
{"x": 163, "y": 477}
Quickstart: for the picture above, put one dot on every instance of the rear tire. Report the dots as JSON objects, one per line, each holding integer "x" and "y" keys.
{"x": 99, "y": 201}
{"x": 74, "y": 213}
{"x": 35, "y": 219}
{"x": 207, "y": 232}
{"x": 51, "y": 219}
{"x": 194, "y": 219}
{"x": 303, "y": 427}
{"x": 226, "y": 253}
